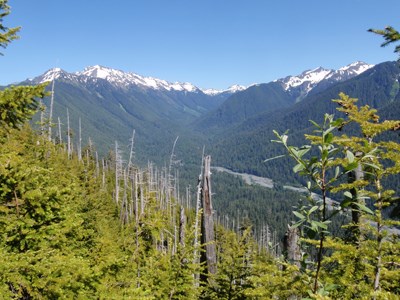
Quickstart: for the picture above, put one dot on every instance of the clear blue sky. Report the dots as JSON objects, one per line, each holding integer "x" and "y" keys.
{"x": 210, "y": 43}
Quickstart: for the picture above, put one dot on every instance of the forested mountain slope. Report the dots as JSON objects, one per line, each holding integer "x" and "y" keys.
{"x": 111, "y": 104}
{"x": 268, "y": 97}
{"x": 245, "y": 147}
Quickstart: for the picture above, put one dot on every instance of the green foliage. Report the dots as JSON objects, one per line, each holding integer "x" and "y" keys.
{"x": 272, "y": 278}
{"x": 18, "y": 104}
{"x": 390, "y": 35}
{"x": 7, "y": 35}
{"x": 234, "y": 255}
{"x": 238, "y": 148}
{"x": 355, "y": 269}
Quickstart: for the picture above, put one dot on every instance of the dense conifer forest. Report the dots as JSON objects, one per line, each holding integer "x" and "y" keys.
{"x": 77, "y": 226}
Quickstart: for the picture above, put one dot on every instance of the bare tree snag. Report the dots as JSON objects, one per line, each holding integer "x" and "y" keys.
{"x": 80, "y": 141}
{"x": 69, "y": 151}
{"x": 59, "y": 131}
{"x": 291, "y": 245}
{"x": 208, "y": 256}
{"x": 182, "y": 225}
{"x": 51, "y": 108}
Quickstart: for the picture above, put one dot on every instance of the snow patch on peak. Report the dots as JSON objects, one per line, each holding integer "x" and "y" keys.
{"x": 52, "y": 74}
{"x": 111, "y": 75}
{"x": 232, "y": 89}
{"x": 126, "y": 79}
{"x": 98, "y": 71}
{"x": 212, "y": 92}
{"x": 180, "y": 87}
{"x": 309, "y": 77}
{"x": 236, "y": 88}
{"x": 357, "y": 67}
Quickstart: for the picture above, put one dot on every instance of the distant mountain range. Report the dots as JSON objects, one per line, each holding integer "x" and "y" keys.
{"x": 318, "y": 79}
{"x": 235, "y": 124}
{"x": 111, "y": 103}
{"x": 127, "y": 80}
{"x": 243, "y": 147}
{"x": 278, "y": 94}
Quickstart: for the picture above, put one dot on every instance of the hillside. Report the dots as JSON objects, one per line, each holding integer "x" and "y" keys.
{"x": 75, "y": 226}
{"x": 112, "y": 103}
{"x": 266, "y": 98}
{"x": 245, "y": 147}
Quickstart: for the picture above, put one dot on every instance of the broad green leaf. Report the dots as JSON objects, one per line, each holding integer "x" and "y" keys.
{"x": 351, "y": 166}
{"x": 312, "y": 209}
{"x": 337, "y": 171}
{"x": 350, "y": 156}
{"x": 324, "y": 154}
{"x": 329, "y": 130}
{"x": 337, "y": 123}
{"x": 372, "y": 166}
{"x": 299, "y": 215}
{"x": 315, "y": 124}
{"x": 320, "y": 224}
{"x": 347, "y": 194}
{"x": 364, "y": 208}
{"x": 328, "y": 138}
{"x": 303, "y": 150}
{"x": 297, "y": 224}
{"x": 299, "y": 167}
{"x": 284, "y": 138}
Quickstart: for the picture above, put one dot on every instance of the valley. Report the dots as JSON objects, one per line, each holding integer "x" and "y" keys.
{"x": 234, "y": 125}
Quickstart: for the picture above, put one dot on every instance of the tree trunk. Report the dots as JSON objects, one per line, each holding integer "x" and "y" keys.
{"x": 182, "y": 225}
{"x": 291, "y": 245}
{"x": 209, "y": 256}
{"x": 69, "y": 151}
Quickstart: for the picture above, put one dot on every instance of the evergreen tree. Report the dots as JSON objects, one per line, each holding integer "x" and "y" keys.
{"x": 7, "y": 35}
{"x": 390, "y": 35}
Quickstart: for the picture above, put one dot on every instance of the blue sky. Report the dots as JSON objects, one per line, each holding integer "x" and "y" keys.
{"x": 210, "y": 43}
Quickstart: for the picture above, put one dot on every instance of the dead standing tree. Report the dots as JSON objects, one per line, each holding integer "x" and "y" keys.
{"x": 209, "y": 255}
{"x": 291, "y": 246}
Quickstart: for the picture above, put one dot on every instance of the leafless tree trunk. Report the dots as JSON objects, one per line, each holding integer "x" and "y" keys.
{"x": 80, "y": 141}
{"x": 131, "y": 152}
{"x": 51, "y": 107}
{"x": 197, "y": 219}
{"x": 209, "y": 256}
{"x": 291, "y": 245}
{"x": 97, "y": 164}
{"x": 59, "y": 132}
{"x": 118, "y": 171}
{"x": 68, "y": 137}
{"x": 182, "y": 225}
{"x": 42, "y": 111}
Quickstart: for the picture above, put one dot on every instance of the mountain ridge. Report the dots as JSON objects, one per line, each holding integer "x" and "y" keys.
{"x": 278, "y": 94}
{"x": 377, "y": 87}
{"x": 125, "y": 80}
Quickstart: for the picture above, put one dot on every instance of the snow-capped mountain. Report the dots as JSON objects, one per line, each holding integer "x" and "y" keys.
{"x": 231, "y": 90}
{"x": 301, "y": 85}
{"x": 131, "y": 97}
{"x": 126, "y": 80}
